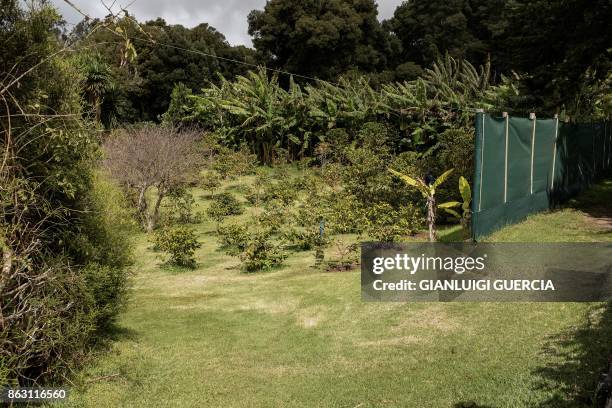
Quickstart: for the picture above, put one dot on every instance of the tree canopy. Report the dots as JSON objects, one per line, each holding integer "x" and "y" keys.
{"x": 320, "y": 39}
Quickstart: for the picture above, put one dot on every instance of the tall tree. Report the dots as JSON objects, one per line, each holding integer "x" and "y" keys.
{"x": 560, "y": 46}
{"x": 320, "y": 38}
{"x": 461, "y": 28}
{"x": 164, "y": 56}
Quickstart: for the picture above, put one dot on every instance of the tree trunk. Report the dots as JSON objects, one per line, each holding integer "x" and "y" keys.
{"x": 142, "y": 207}
{"x": 154, "y": 215}
{"x": 431, "y": 218}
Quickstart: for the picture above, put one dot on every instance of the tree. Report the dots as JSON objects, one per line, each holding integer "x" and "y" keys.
{"x": 322, "y": 39}
{"x": 427, "y": 188}
{"x": 163, "y": 55}
{"x": 559, "y": 46}
{"x": 97, "y": 81}
{"x": 429, "y": 29}
{"x": 152, "y": 158}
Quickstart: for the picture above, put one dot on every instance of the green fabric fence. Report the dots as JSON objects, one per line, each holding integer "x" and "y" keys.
{"x": 526, "y": 165}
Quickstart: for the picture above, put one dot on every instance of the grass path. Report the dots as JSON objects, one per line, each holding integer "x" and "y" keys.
{"x": 214, "y": 337}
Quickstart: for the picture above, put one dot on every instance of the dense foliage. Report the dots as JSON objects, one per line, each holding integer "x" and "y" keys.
{"x": 274, "y": 122}
{"x": 180, "y": 243}
{"x": 160, "y": 56}
{"x": 64, "y": 243}
{"x": 320, "y": 39}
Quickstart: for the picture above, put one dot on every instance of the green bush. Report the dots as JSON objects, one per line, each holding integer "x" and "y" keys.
{"x": 230, "y": 164}
{"x": 347, "y": 215}
{"x": 366, "y": 177}
{"x": 108, "y": 287}
{"x": 275, "y": 214}
{"x": 344, "y": 256}
{"x": 304, "y": 239}
{"x": 281, "y": 191}
{"x": 233, "y": 238}
{"x": 265, "y": 191}
{"x": 261, "y": 253}
{"x": 314, "y": 208}
{"x": 376, "y": 137}
{"x": 224, "y": 205}
{"x": 210, "y": 181}
{"x": 178, "y": 208}
{"x": 456, "y": 150}
{"x": 387, "y": 224}
{"x": 180, "y": 243}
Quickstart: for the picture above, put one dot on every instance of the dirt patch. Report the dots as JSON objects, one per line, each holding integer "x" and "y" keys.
{"x": 601, "y": 217}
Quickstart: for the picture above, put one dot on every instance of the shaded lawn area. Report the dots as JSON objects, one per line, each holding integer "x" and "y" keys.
{"x": 301, "y": 337}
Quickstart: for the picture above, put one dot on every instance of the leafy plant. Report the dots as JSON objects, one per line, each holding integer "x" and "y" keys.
{"x": 261, "y": 253}
{"x": 386, "y": 224}
{"x": 466, "y": 212}
{"x": 210, "y": 181}
{"x": 231, "y": 164}
{"x": 233, "y": 238}
{"x": 179, "y": 207}
{"x": 345, "y": 256}
{"x": 224, "y": 205}
{"x": 427, "y": 188}
{"x": 305, "y": 239}
{"x": 180, "y": 243}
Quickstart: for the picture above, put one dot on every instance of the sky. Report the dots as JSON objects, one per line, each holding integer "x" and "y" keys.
{"x": 227, "y": 16}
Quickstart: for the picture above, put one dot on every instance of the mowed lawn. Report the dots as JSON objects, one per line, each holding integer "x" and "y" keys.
{"x": 300, "y": 337}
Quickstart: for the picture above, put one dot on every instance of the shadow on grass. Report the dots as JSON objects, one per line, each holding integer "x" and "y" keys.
{"x": 116, "y": 333}
{"x": 580, "y": 355}
{"x": 470, "y": 404}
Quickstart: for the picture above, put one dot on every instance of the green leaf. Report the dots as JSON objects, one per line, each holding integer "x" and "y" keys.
{"x": 449, "y": 204}
{"x": 442, "y": 178}
{"x": 465, "y": 190}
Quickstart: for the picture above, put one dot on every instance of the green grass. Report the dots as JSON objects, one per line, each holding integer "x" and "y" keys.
{"x": 301, "y": 337}
{"x": 573, "y": 223}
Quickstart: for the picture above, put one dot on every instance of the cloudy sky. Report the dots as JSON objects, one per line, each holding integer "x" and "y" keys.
{"x": 227, "y": 16}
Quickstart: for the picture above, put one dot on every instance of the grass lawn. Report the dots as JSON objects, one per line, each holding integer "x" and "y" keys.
{"x": 297, "y": 336}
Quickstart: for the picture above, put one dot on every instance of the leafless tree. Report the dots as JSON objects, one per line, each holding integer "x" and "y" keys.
{"x": 150, "y": 162}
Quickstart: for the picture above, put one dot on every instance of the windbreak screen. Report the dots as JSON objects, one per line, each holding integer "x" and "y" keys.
{"x": 523, "y": 166}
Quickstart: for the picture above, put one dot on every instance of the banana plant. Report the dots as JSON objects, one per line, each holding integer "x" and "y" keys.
{"x": 428, "y": 191}
{"x": 466, "y": 211}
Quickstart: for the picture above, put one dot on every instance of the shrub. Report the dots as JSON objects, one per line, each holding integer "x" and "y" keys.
{"x": 230, "y": 164}
{"x": 224, "y": 205}
{"x": 332, "y": 175}
{"x": 233, "y": 238}
{"x": 313, "y": 209}
{"x": 179, "y": 208}
{"x": 261, "y": 254}
{"x": 281, "y": 191}
{"x": 374, "y": 136}
{"x": 387, "y": 224}
{"x": 275, "y": 215}
{"x": 257, "y": 192}
{"x": 180, "y": 243}
{"x": 210, "y": 181}
{"x": 347, "y": 215}
{"x": 264, "y": 191}
{"x": 456, "y": 150}
{"x": 305, "y": 239}
{"x": 366, "y": 176}
{"x": 345, "y": 256}
{"x": 107, "y": 287}
{"x": 338, "y": 139}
